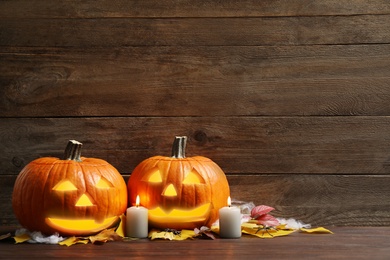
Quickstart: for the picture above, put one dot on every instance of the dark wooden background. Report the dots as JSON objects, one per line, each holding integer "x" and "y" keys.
{"x": 291, "y": 98}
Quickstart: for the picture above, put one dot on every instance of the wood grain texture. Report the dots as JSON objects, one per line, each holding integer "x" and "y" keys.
{"x": 256, "y": 145}
{"x": 188, "y": 8}
{"x": 7, "y": 216}
{"x": 199, "y": 81}
{"x": 362, "y": 29}
{"x": 346, "y": 243}
{"x": 290, "y": 94}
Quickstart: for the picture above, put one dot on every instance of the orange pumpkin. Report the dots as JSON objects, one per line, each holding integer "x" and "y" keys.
{"x": 73, "y": 196}
{"x": 180, "y": 192}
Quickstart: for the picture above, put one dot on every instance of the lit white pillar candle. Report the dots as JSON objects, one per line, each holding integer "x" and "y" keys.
{"x": 137, "y": 221}
{"x": 230, "y": 221}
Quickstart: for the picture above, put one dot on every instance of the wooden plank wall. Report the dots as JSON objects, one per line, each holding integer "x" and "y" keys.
{"x": 291, "y": 98}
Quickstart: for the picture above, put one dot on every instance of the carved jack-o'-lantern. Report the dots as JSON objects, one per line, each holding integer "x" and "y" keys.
{"x": 74, "y": 196}
{"x": 180, "y": 192}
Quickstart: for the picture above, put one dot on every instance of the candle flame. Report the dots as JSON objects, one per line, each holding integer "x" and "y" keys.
{"x": 137, "y": 201}
{"x": 229, "y": 201}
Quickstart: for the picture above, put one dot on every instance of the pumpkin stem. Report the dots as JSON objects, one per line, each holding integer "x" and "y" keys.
{"x": 179, "y": 147}
{"x": 73, "y": 151}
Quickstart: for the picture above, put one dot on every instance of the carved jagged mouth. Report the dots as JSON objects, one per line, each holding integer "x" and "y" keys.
{"x": 80, "y": 225}
{"x": 182, "y": 216}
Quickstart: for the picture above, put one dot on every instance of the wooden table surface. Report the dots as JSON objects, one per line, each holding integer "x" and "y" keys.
{"x": 345, "y": 243}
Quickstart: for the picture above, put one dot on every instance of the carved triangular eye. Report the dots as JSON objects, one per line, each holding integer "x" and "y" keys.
{"x": 64, "y": 185}
{"x": 170, "y": 191}
{"x": 154, "y": 176}
{"x": 84, "y": 201}
{"x": 103, "y": 183}
{"x": 193, "y": 178}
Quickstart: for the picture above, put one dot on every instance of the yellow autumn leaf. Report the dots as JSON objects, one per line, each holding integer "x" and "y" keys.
{"x": 22, "y": 238}
{"x": 215, "y": 229}
{"x": 72, "y": 241}
{"x": 121, "y": 227}
{"x": 184, "y": 234}
{"x": 282, "y": 226}
{"x": 104, "y": 236}
{"x": 318, "y": 230}
{"x": 259, "y": 231}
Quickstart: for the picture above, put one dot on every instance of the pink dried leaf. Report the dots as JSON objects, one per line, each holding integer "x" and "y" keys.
{"x": 268, "y": 220}
{"x": 204, "y": 232}
{"x": 261, "y": 210}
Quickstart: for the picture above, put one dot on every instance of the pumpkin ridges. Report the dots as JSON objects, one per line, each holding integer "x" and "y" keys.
{"x": 191, "y": 193}
{"x": 145, "y": 166}
{"x": 166, "y": 182}
{"x": 43, "y": 176}
{"x": 104, "y": 202}
{"x": 102, "y": 210}
{"x": 49, "y": 207}
{"x": 194, "y": 187}
{"x": 113, "y": 176}
{"x": 85, "y": 171}
{"x": 58, "y": 170}
{"x": 20, "y": 210}
{"x": 215, "y": 174}
{"x": 28, "y": 189}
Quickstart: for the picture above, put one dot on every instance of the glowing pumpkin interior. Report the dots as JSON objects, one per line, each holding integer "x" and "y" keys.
{"x": 174, "y": 215}
{"x": 85, "y": 200}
